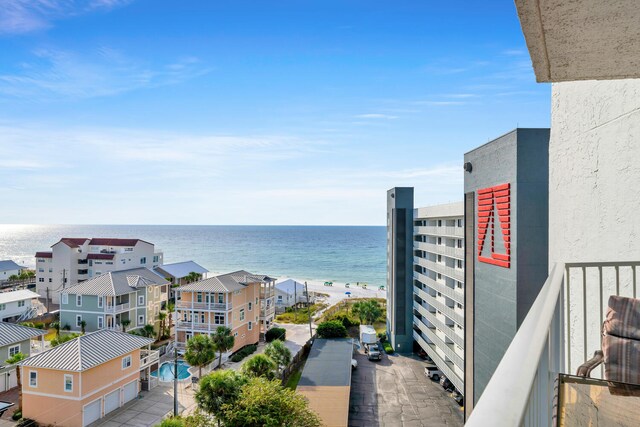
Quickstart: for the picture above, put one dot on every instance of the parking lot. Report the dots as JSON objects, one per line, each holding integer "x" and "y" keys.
{"x": 395, "y": 392}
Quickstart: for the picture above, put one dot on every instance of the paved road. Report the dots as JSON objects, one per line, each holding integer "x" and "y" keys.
{"x": 395, "y": 392}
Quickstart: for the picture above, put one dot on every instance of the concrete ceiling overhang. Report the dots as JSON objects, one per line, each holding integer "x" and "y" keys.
{"x": 582, "y": 39}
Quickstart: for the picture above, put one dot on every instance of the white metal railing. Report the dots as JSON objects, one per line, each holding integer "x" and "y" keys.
{"x": 439, "y": 231}
{"x": 210, "y": 306}
{"x": 117, "y": 308}
{"x": 266, "y": 312}
{"x": 449, "y": 331}
{"x": 199, "y": 326}
{"x": 450, "y": 312}
{"x": 560, "y": 332}
{"x": 451, "y": 272}
{"x": 450, "y": 251}
{"x": 447, "y": 349}
{"x": 147, "y": 357}
{"x": 445, "y": 367}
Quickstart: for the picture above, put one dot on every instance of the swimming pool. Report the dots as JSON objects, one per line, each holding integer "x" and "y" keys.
{"x": 166, "y": 371}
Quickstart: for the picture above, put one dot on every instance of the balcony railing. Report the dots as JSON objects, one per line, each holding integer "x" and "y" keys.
{"x": 450, "y": 251}
{"x": 560, "y": 332}
{"x": 264, "y": 313}
{"x": 113, "y": 309}
{"x": 451, "y": 272}
{"x": 210, "y": 306}
{"x": 440, "y": 231}
{"x": 449, "y": 331}
{"x": 198, "y": 326}
{"x": 450, "y": 312}
{"x": 439, "y": 287}
{"x": 445, "y": 367}
{"x": 148, "y": 357}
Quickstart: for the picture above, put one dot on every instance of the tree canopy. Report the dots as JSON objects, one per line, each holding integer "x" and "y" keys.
{"x": 200, "y": 352}
{"x": 260, "y": 365}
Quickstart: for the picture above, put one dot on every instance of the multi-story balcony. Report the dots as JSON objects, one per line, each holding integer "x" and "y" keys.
{"x": 447, "y": 231}
{"x": 439, "y": 287}
{"x": 199, "y": 326}
{"x": 268, "y": 312}
{"x": 450, "y": 312}
{"x": 561, "y": 331}
{"x": 450, "y": 251}
{"x": 451, "y": 272}
{"x": 447, "y": 348}
{"x": 148, "y": 357}
{"x": 445, "y": 367}
{"x": 433, "y": 319}
{"x": 113, "y": 309}
{"x": 208, "y": 306}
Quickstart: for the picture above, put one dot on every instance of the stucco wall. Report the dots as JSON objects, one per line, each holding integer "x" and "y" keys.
{"x": 594, "y": 189}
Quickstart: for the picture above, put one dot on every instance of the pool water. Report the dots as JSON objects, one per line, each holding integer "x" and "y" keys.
{"x": 167, "y": 371}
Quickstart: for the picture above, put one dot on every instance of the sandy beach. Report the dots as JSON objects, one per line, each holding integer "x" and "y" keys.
{"x": 337, "y": 292}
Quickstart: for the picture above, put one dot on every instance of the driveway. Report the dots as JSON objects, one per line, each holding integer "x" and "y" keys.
{"x": 395, "y": 392}
{"x": 150, "y": 408}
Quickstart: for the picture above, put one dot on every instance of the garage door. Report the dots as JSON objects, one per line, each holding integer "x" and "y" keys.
{"x": 130, "y": 391}
{"x": 13, "y": 379}
{"x": 111, "y": 401}
{"x": 91, "y": 412}
{"x": 3, "y": 382}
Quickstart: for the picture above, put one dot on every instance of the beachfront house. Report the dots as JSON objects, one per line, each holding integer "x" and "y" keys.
{"x": 74, "y": 260}
{"x": 9, "y": 268}
{"x": 179, "y": 272}
{"x": 18, "y": 305}
{"x": 15, "y": 339}
{"x": 82, "y": 380}
{"x": 289, "y": 293}
{"x": 235, "y": 300}
{"x": 135, "y": 296}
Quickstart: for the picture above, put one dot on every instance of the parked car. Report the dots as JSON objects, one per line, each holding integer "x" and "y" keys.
{"x": 458, "y": 398}
{"x": 354, "y": 363}
{"x": 373, "y": 351}
{"x": 433, "y": 373}
{"x": 423, "y": 355}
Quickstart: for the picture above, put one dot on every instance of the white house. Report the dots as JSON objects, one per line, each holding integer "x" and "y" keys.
{"x": 14, "y": 304}
{"x": 74, "y": 260}
{"x": 289, "y": 292}
{"x": 9, "y": 268}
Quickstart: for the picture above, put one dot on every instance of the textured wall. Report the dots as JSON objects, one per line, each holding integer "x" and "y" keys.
{"x": 594, "y": 190}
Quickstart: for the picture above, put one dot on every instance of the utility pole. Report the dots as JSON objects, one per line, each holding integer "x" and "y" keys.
{"x": 48, "y": 301}
{"x": 175, "y": 382}
{"x": 306, "y": 290}
{"x": 295, "y": 301}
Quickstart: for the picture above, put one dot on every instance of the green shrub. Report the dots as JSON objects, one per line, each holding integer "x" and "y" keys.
{"x": 16, "y": 415}
{"x": 275, "y": 333}
{"x": 347, "y": 321}
{"x": 244, "y": 352}
{"x": 382, "y": 336}
{"x": 331, "y": 329}
{"x": 387, "y": 347}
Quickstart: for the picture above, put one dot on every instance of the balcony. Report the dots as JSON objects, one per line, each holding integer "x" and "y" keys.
{"x": 450, "y": 312}
{"x": 439, "y": 287}
{"x": 560, "y": 332}
{"x": 208, "y": 306}
{"x": 432, "y": 230}
{"x": 148, "y": 357}
{"x": 445, "y": 367}
{"x": 114, "y": 309}
{"x": 198, "y": 326}
{"x": 447, "y": 348}
{"x": 449, "y": 331}
{"x": 451, "y": 272}
{"x": 265, "y": 313}
{"x": 450, "y": 251}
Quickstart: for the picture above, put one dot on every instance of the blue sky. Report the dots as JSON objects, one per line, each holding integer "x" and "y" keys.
{"x": 250, "y": 112}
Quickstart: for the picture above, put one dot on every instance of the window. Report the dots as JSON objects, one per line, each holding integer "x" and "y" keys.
{"x": 459, "y": 305}
{"x": 40, "y": 279}
{"x": 242, "y": 314}
{"x": 220, "y": 298}
{"x": 68, "y": 383}
{"x": 459, "y": 285}
{"x": 41, "y": 270}
{"x": 14, "y": 350}
{"x": 439, "y": 223}
{"x": 143, "y": 260}
{"x": 140, "y": 299}
{"x": 65, "y": 298}
{"x": 439, "y": 258}
{"x": 100, "y": 322}
{"x": 100, "y": 301}
{"x": 256, "y": 301}
{"x": 250, "y": 325}
{"x": 78, "y": 300}
{"x": 459, "y": 223}
{"x": 459, "y": 243}
{"x": 156, "y": 258}
{"x": 126, "y": 362}
{"x": 50, "y": 280}
{"x": 250, "y": 306}
{"x": 78, "y": 320}
{"x": 141, "y": 320}
{"x": 51, "y": 270}
{"x": 439, "y": 240}
{"x": 3, "y": 307}
{"x": 459, "y": 263}
{"x": 21, "y": 303}
{"x": 218, "y": 319}
{"x": 199, "y": 297}
{"x": 33, "y": 379}
{"x": 279, "y": 297}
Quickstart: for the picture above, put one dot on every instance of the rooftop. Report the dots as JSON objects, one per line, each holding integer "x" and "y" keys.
{"x": 117, "y": 282}
{"x": 23, "y": 294}
{"x": 7, "y": 265}
{"x": 226, "y": 282}
{"x": 182, "y": 269}
{"x": 88, "y": 351}
{"x": 329, "y": 363}
{"x": 11, "y": 333}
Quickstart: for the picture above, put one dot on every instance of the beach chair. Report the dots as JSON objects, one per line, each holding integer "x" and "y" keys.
{"x": 620, "y": 343}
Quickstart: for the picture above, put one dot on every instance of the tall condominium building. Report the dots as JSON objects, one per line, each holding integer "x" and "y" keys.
{"x": 438, "y": 287}
{"x": 74, "y": 260}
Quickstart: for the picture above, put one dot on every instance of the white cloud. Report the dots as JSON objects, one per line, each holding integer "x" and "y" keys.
{"x": 53, "y": 73}
{"x": 24, "y": 16}
{"x": 376, "y": 116}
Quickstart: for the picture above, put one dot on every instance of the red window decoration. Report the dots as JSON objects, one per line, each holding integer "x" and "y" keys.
{"x": 492, "y": 202}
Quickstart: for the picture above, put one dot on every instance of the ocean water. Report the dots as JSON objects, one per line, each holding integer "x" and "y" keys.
{"x": 341, "y": 254}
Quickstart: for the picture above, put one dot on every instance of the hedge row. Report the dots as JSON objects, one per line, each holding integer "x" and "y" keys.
{"x": 244, "y": 352}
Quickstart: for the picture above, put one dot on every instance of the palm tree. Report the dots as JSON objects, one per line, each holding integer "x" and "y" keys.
{"x": 170, "y": 308}
{"x": 162, "y": 316}
{"x": 279, "y": 353}
{"x": 125, "y": 323}
{"x": 200, "y": 352}
{"x": 192, "y": 277}
{"x": 147, "y": 331}
{"x": 16, "y": 358}
{"x": 223, "y": 341}
{"x": 358, "y": 310}
{"x": 55, "y": 325}
{"x": 14, "y": 277}
{"x": 372, "y": 311}
{"x": 83, "y": 326}
{"x": 217, "y": 389}
{"x": 260, "y": 365}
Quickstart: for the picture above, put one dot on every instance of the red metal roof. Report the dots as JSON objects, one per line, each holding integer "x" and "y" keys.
{"x": 73, "y": 242}
{"x": 114, "y": 242}
{"x": 100, "y": 256}
{"x": 44, "y": 254}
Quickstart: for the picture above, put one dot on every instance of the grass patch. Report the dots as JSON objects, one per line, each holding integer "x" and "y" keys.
{"x": 301, "y": 316}
{"x": 51, "y": 334}
{"x": 294, "y": 379}
{"x": 387, "y": 347}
